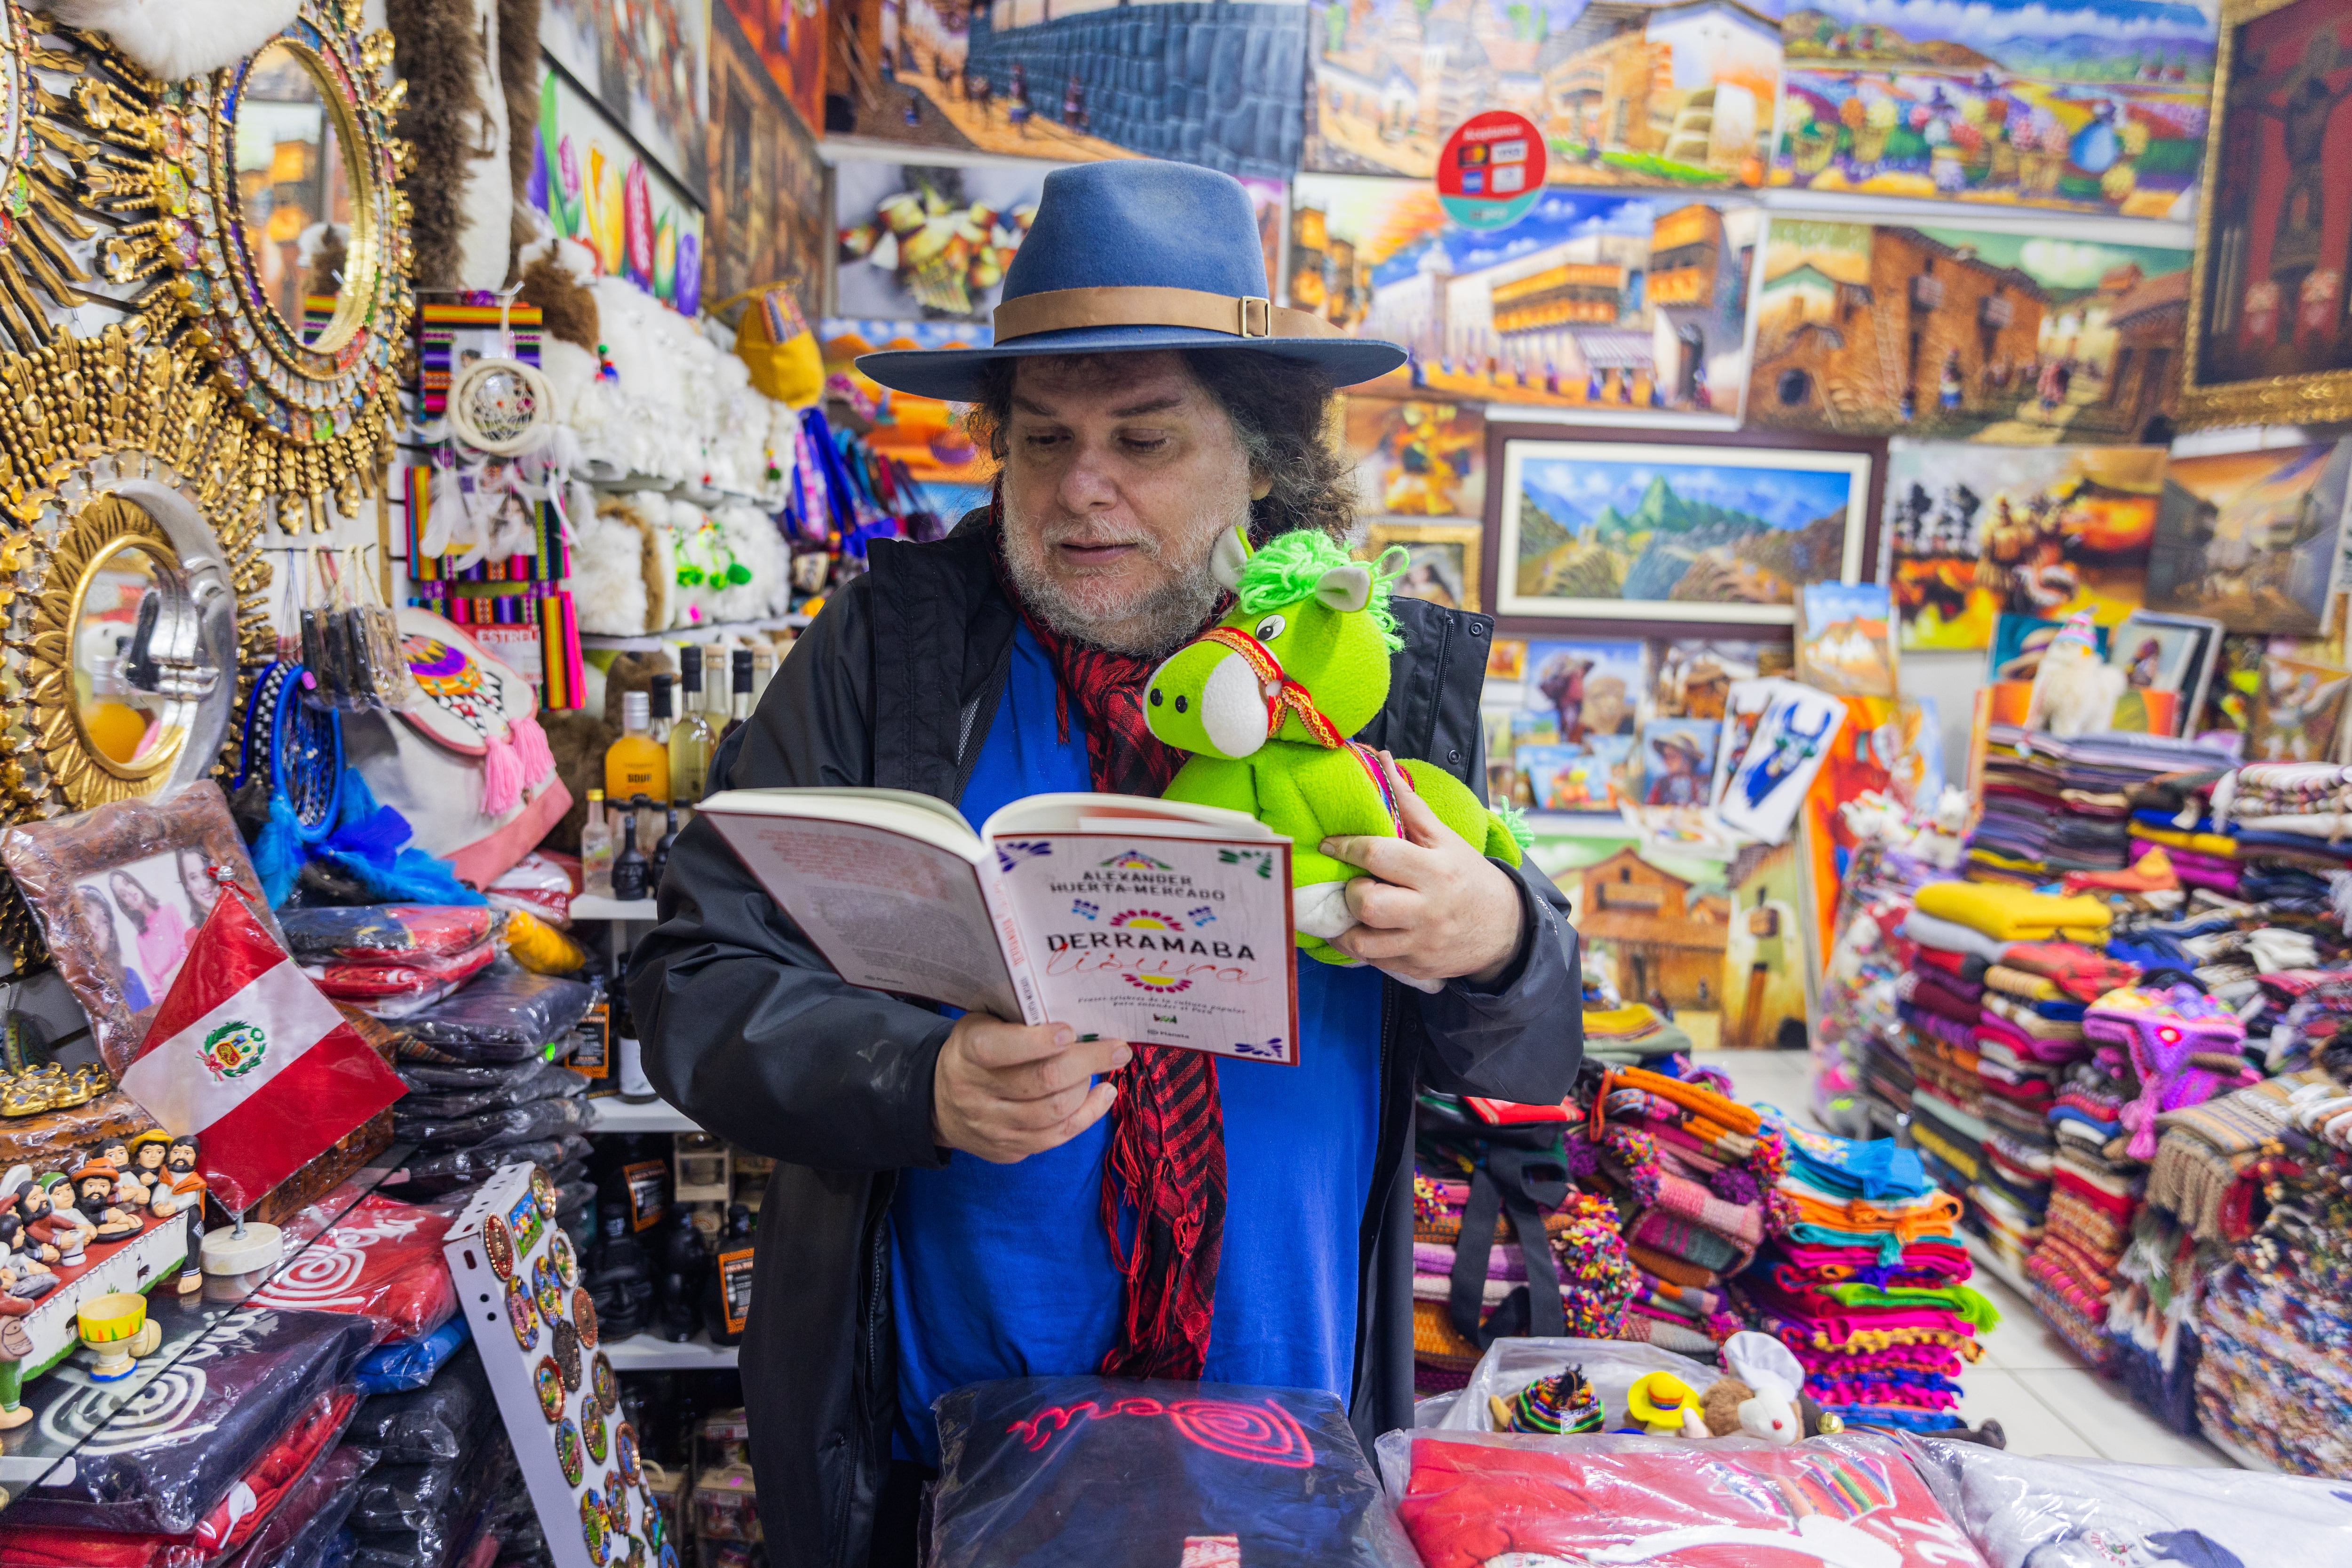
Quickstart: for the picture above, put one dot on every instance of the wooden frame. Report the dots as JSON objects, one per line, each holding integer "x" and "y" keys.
{"x": 2301, "y": 398}
{"x": 1380, "y": 532}
{"x": 1632, "y": 622}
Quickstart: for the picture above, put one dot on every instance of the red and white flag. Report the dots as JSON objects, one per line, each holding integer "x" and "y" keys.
{"x": 249, "y": 1055}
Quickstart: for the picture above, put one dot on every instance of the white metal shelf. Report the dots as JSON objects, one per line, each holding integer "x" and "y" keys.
{"x": 709, "y": 631}
{"x": 614, "y": 1114}
{"x": 644, "y": 1353}
{"x": 589, "y": 907}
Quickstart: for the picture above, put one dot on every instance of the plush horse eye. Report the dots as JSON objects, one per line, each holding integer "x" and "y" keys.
{"x": 1270, "y": 628}
{"x": 1155, "y": 697}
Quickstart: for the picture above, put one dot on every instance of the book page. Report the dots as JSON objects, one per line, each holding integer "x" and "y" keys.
{"x": 889, "y": 909}
{"x": 1161, "y": 939}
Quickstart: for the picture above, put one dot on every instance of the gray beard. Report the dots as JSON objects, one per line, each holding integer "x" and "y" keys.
{"x": 1153, "y": 627}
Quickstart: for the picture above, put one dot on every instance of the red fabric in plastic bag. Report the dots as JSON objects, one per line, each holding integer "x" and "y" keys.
{"x": 1680, "y": 1507}
{"x": 383, "y": 1260}
{"x": 232, "y": 1521}
{"x": 349, "y": 981}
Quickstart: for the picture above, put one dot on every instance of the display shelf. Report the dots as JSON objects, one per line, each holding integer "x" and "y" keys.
{"x": 589, "y": 907}
{"x": 614, "y": 1114}
{"x": 711, "y": 631}
{"x": 1994, "y": 1264}
{"x": 644, "y": 1353}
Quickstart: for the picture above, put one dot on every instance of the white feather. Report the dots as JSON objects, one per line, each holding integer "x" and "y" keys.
{"x": 170, "y": 39}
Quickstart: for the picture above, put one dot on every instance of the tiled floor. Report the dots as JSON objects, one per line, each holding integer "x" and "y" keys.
{"x": 2046, "y": 1400}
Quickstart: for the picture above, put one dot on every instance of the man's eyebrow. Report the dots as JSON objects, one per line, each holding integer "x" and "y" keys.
{"x": 1149, "y": 405}
{"x": 1026, "y": 407}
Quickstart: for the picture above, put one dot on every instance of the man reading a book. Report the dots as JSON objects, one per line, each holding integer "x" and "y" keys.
{"x": 963, "y": 1199}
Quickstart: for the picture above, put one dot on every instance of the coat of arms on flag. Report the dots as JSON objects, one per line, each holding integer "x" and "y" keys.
{"x": 249, "y": 1053}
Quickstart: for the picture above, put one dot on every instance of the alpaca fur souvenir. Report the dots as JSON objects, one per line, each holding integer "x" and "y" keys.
{"x": 751, "y": 535}
{"x": 1265, "y": 700}
{"x": 460, "y": 194}
{"x": 517, "y": 66}
{"x": 579, "y": 739}
{"x": 170, "y": 39}
{"x": 567, "y": 309}
{"x": 633, "y": 672}
{"x": 608, "y": 571}
{"x": 2075, "y": 690}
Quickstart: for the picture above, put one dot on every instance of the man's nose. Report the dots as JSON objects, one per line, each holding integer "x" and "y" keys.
{"x": 1087, "y": 484}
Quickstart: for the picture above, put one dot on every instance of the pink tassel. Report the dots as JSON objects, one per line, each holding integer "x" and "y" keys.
{"x": 531, "y": 749}
{"x": 501, "y": 776}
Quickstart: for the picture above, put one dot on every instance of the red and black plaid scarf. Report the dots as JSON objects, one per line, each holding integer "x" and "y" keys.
{"x": 1167, "y": 1162}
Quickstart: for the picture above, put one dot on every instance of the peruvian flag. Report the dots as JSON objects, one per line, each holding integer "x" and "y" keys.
{"x": 248, "y": 1055}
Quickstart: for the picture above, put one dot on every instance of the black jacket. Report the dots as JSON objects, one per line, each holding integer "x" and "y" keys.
{"x": 747, "y": 1029}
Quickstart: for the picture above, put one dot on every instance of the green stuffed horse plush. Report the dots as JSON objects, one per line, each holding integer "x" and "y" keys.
{"x": 1265, "y": 700}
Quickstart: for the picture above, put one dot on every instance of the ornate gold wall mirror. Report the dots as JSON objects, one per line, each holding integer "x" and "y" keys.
{"x": 297, "y": 167}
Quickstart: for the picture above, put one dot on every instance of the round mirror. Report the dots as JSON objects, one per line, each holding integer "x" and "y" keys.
{"x": 296, "y": 165}
{"x": 138, "y": 660}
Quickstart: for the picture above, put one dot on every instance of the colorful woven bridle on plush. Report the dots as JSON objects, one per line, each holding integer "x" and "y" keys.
{"x": 1286, "y": 697}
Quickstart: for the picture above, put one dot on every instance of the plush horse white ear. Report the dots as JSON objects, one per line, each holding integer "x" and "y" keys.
{"x": 1227, "y": 557}
{"x": 1346, "y": 589}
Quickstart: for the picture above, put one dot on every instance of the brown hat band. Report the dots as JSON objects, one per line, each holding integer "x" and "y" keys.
{"x": 1144, "y": 305}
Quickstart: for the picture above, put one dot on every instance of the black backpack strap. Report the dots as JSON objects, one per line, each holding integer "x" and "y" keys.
{"x": 1523, "y": 1183}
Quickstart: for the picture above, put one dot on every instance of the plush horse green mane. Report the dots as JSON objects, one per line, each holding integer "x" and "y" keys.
{"x": 1265, "y": 700}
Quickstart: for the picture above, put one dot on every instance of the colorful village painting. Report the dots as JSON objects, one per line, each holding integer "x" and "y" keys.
{"x": 2011, "y": 339}
{"x": 1639, "y": 93}
{"x": 1720, "y": 945}
{"x": 1592, "y": 299}
{"x": 2089, "y": 104}
{"x": 1973, "y": 533}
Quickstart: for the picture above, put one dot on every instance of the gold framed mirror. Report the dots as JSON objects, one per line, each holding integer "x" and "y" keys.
{"x": 138, "y": 664}
{"x": 312, "y": 244}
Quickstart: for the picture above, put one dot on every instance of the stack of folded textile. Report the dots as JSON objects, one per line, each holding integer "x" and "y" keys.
{"x": 1700, "y": 1216}
{"x": 1868, "y": 1288}
{"x": 1629, "y": 1034}
{"x": 2053, "y": 806}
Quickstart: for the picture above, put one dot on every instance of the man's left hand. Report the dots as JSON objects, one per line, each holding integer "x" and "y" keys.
{"x": 1434, "y": 909}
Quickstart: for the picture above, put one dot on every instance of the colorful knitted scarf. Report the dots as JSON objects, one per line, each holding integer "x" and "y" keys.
{"x": 1167, "y": 1162}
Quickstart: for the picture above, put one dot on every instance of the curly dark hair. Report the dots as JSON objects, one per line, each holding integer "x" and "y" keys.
{"x": 1281, "y": 409}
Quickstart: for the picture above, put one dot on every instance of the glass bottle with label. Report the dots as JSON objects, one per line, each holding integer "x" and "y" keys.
{"x": 691, "y": 739}
{"x": 596, "y": 850}
{"x": 740, "y": 708}
{"x": 628, "y": 1051}
{"x": 633, "y": 764}
{"x": 632, "y": 876}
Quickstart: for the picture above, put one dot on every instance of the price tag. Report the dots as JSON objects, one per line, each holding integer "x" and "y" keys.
{"x": 1492, "y": 169}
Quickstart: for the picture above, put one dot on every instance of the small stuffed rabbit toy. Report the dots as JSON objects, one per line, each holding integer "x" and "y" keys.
{"x": 1776, "y": 1378}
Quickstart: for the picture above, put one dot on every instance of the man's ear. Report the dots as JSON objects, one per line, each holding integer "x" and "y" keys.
{"x": 1346, "y": 589}
{"x": 1261, "y": 486}
{"x": 1227, "y": 556}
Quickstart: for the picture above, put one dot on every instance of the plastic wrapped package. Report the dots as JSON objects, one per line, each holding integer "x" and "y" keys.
{"x": 179, "y": 1438}
{"x": 380, "y": 1260}
{"x": 310, "y": 1517}
{"x": 385, "y": 933}
{"x": 505, "y": 1014}
{"x": 1093, "y": 1473}
{"x": 408, "y": 1497}
{"x": 450, "y": 1531}
{"x": 442, "y": 1420}
{"x": 2055, "y": 1514}
{"x": 407, "y": 1364}
{"x": 1610, "y": 1366}
{"x": 397, "y": 989}
{"x": 540, "y": 948}
{"x": 541, "y": 883}
{"x": 440, "y": 1175}
{"x": 1469, "y": 1498}
{"x": 534, "y": 1121}
{"x": 232, "y": 1523}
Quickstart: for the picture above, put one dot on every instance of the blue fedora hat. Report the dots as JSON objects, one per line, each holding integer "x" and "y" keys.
{"x": 1136, "y": 254}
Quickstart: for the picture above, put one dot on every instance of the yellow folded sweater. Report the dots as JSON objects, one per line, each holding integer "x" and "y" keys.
{"x": 2009, "y": 913}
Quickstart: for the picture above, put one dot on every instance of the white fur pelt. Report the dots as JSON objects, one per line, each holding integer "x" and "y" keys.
{"x": 697, "y": 539}
{"x": 170, "y": 39}
{"x": 751, "y": 535}
{"x": 486, "y": 202}
{"x": 608, "y": 573}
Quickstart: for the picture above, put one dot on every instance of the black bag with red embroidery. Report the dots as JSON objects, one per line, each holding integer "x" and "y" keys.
{"x": 1091, "y": 1472}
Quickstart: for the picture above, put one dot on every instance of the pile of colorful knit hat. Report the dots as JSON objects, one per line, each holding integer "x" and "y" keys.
{"x": 1868, "y": 1288}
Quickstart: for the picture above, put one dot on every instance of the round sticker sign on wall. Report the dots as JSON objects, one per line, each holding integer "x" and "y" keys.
{"x": 1492, "y": 169}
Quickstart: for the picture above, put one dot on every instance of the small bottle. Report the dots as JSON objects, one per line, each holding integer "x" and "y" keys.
{"x": 596, "y": 850}
{"x": 663, "y": 709}
{"x": 690, "y": 738}
{"x": 628, "y": 1051}
{"x": 763, "y": 670}
{"x": 663, "y": 844}
{"x": 632, "y": 876}
{"x": 715, "y": 666}
{"x": 633, "y": 764}
{"x": 740, "y": 708}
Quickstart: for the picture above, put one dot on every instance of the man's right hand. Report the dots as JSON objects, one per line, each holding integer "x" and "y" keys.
{"x": 1002, "y": 1091}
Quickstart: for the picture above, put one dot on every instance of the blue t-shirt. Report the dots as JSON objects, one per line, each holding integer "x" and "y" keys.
{"x": 1005, "y": 1271}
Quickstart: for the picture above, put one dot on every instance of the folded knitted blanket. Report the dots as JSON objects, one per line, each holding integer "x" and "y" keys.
{"x": 1970, "y": 1306}
{"x": 1694, "y": 1244}
{"x": 1669, "y": 1268}
{"x": 2011, "y": 981}
{"x": 1950, "y": 936}
{"x": 2080, "y": 973}
{"x": 1502, "y": 1263}
{"x": 1868, "y": 1339}
{"x": 2011, "y": 913}
{"x": 1926, "y": 992}
{"x": 1664, "y": 1330}
{"x": 1965, "y": 966}
{"x": 1685, "y": 1199}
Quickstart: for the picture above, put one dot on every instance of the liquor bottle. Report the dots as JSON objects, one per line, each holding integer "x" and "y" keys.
{"x": 663, "y": 844}
{"x": 628, "y": 1051}
{"x": 633, "y": 764}
{"x": 665, "y": 708}
{"x": 596, "y": 850}
{"x": 740, "y": 708}
{"x": 690, "y": 738}
{"x": 714, "y": 690}
{"x": 632, "y": 877}
{"x": 763, "y": 670}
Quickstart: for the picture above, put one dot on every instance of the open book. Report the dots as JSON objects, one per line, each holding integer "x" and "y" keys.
{"x": 1149, "y": 921}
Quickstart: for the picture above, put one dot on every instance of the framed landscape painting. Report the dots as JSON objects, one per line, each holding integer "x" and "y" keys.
{"x": 1660, "y": 532}
{"x": 2270, "y": 323}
